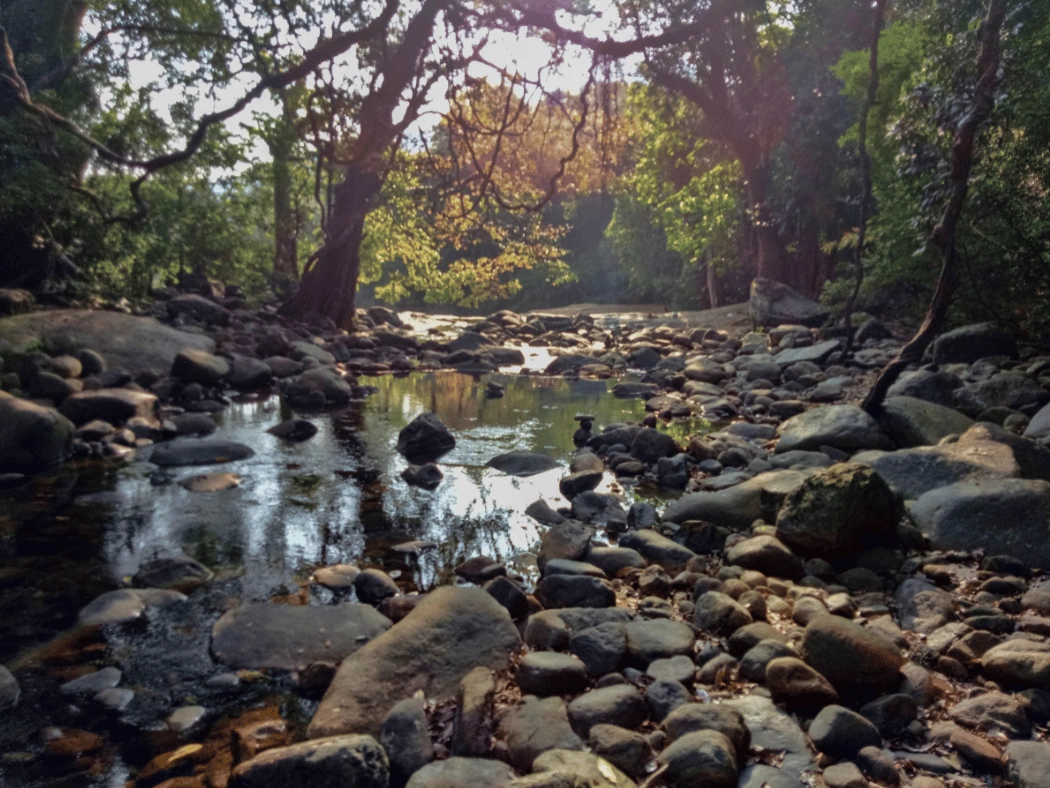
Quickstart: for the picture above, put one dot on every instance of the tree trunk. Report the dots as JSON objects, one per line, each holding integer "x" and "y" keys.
{"x": 286, "y": 241}
{"x": 714, "y": 290}
{"x": 944, "y": 232}
{"x": 330, "y": 283}
{"x": 770, "y": 262}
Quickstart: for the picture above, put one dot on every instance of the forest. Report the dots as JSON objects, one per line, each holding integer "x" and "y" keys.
{"x": 668, "y": 160}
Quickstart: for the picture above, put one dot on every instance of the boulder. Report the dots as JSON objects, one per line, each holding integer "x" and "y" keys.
{"x": 915, "y": 422}
{"x": 135, "y": 343}
{"x": 425, "y": 439}
{"x": 199, "y": 308}
{"x": 460, "y": 772}
{"x": 192, "y": 451}
{"x": 1013, "y": 390}
{"x": 286, "y": 637}
{"x": 325, "y": 380}
{"x": 970, "y": 343}
{"x": 32, "y": 437}
{"x": 937, "y": 387}
{"x": 198, "y": 366}
{"x": 773, "y": 303}
{"x": 569, "y": 363}
{"x": 738, "y": 506}
{"x": 817, "y": 353}
{"x": 450, "y": 632}
{"x": 999, "y": 516}
{"x": 843, "y": 427}
{"x": 113, "y": 405}
{"x": 838, "y": 510}
{"x": 1018, "y": 663}
{"x": 849, "y": 655}
{"x": 335, "y": 762}
{"x": 766, "y": 554}
{"x": 1029, "y": 763}
{"x": 914, "y": 472}
{"x": 522, "y": 463}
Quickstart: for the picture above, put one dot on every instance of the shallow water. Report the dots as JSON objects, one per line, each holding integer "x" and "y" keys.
{"x": 335, "y": 498}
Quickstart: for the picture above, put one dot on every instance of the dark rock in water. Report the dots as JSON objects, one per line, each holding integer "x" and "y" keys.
{"x": 210, "y": 482}
{"x": 374, "y": 585}
{"x": 323, "y": 381}
{"x": 427, "y": 476}
{"x": 452, "y": 631}
{"x": 970, "y": 343}
{"x": 425, "y": 439}
{"x": 505, "y": 356}
{"x": 32, "y": 437}
{"x": 774, "y": 304}
{"x": 672, "y": 473}
{"x": 630, "y": 390}
{"x": 599, "y": 509}
{"x": 406, "y": 739}
{"x": 570, "y": 362}
{"x": 179, "y": 572}
{"x": 294, "y": 430}
{"x": 9, "y": 690}
{"x": 575, "y": 483}
{"x": 194, "y": 424}
{"x": 198, "y": 366}
{"x": 1000, "y": 516}
{"x": 541, "y": 512}
{"x": 334, "y": 762}
{"x": 470, "y": 340}
{"x": 249, "y": 374}
{"x": 286, "y": 637}
{"x": 198, "y": 308}
{"x": 480, "y": 569}
{"x": 91, "y": 684}
{"x": 188, "y": 451}
{"x": 522, "y": 463}
{"x": 124, "y": 604}
{"x": 113, "y": 405}
{"x": 650, "y": 445}
{"x": 837, "y": 510}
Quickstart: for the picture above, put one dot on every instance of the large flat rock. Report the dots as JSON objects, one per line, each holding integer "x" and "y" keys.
{"x": 450, "y": 632}
{"x": 286, "y": 637}
{"x": 739, "y": 506}
{"x": 136, "y": 343}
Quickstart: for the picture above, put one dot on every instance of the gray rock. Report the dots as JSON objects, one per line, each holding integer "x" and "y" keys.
{"x": 816, "y": 353}
{"x": 753, "y": 664}
{"x": 844, "y": 427}
{"x": 737, "y": 507}
{"x": 189, "y": 451}
{"x": 650, "y": 445}
{"x": 1032, "y": 458}
{"x": 773, "y": 303}
{"x": 914, "y": 472}
{"x": 849, "y": 655}
{"x": 612, "y": 559}
{"x": 32, "y": 437}
{"x": 535, "y": 727}
{"x": 335, "y": 762}
{"x": 701, "y": 758}
{"x": 937, "y": 387}
{"x": 1018, "y": 662}
{"x": 766, "y": 554}
{"x": 620, "y": 704}
{"x": 993, "y": 711}
{"x": 626, "y": 750}
{"x": 9, "y": 689}
{"x": 559, "y": 591}
{"x": 707, "y": 716}
{"x": 285, "y": 637}
{"x": 797, "y": 686}
{"x": 663, "y": 696}
{"x": 1039, "y": 427}
{"x": 541, "y": 512}
{"x": 135, "y": 343}
{"x": 760, "y": 775}
{"x": 1000, "y": 516}
{"x": 773, "y": 729}
{"x": 323, "y": 380}
{"x": 970, "y": 343}
{"x": 720, "y": 614}
{"x": 657, "y": 549}
{"x": 891, "y": 714}
{"x": 113, "y": 405}
{"x": 842, "y": 733}
{"x": 198, "y": 366}
{"x": 914, "y": 422}
{"x": 581, "y": 769}
{"x": 1012, "y": 390}
{"x": 374, "y": 585}
{"x": 546, "y": 673}
{"x": 603, "y": 648}
{"x": 91, "y": 684}
{"x": 522, "y": 463}
{"x": 475, "y": 705}
{"x": 199, "y": 308}
{"x": 459, "y": 772}
{"x": 657, "y": 639}
{"x": 406, "y": 739}
{"x": 599, "y": 509}
{"x": 124, "y": 605}
{"x": 569, "y": 363}
{"x": 844, "y": 775}
{"x": 450, "y": 632}
{"x": 1029, "y": 763}
{"x": 569, "y": 540}
{"x": 249, "y": 374}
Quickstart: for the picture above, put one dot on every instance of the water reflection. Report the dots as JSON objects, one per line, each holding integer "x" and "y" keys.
{"x": 336, "y": 498}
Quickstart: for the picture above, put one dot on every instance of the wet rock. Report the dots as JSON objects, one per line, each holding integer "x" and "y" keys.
{"x": 720, "y": 614}
{"x": 188, "y": 451}
{"x": 569, "y": 363}
{"x": 773, "y": 303}
{"x": 178, "y": 572}
{"x": 568, "y": 540}
{"x": 198, "y": 366}
{"x": 32, "y": 437}
{"x": 993, "y": 711}
{"x": 185, "y": 718}
{"x": 679, "y": 668}
{"x": 575, "y": 483}
{"x": 1029, "y": 763}
{"x": 123, "y": 605}
{"x": 92, "y": 683}
{"x": 9, "y": 689}
{"x": 650, "y": 445}
{"x": 113, "y": 405}
{"x": 339, "y": 577}
{"x": 766, "y": 554}
{"x": 480, "y": 569}
{"x": 849, "y": 655}
{"x": 374, "y": 585}
{"x": 210, "y": 482}
{"x": 701, "y": 758}
{"x": 914, "y": 422}
{"x": 294, "y": 430}
{"x": 1000, "y": 516}
{"x": 535, "y": 727}
{"x": 450, "y": 632}
{"x": 658, "y": 549}
{"x": 323, "y": 381}
{"x": 970, "y": 343}
{"x": 626, "y": 750}
{"x": 621, "y": 704}
{"x": 285, "y": 637}
{"x": 427, "y": 477}
{"x": 115, "y": 698}
{"x": 842, "y": 733}
{"x": 425, "y": 439}
{"x": 522, "y": 463}
{"x": 837, "y": 510}
{"x": 560, "y": 591}
{"x": 334, "y": 762}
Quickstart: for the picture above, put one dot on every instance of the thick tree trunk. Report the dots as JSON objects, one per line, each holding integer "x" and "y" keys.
{"x": 329, "y": 285}
{"x": 770, "y": 262}
{"x": 286, "y": 241}
{"x": 944, "y": 232}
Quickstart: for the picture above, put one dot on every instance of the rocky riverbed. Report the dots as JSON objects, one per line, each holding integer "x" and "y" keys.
{"x": 529, "y": 550}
